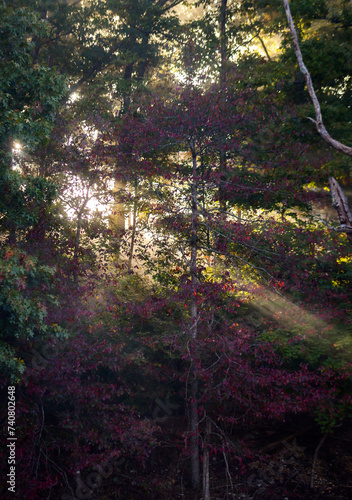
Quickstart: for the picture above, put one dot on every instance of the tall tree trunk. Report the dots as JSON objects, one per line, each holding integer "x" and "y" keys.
{"x": 141, "y": 69}
{"x": 223, "y": 42}
{"x": 78, "y": 237}
{"x": 6, "y": 166}
{"x": 127, "y": 94}
{"x": 194, "y": 418}
{"x": 143, "y": 64}
{"x": 75, "y": 254}
{"x": 206, "y": 462}
{"x": 134, "y": 224}
{"x": 222, "y": 81}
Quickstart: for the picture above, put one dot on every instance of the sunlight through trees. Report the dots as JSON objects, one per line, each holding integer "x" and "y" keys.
{"x": 175, "y": 238}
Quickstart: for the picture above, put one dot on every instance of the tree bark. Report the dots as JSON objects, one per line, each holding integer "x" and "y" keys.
{"x": 264, "y": 47}
{"x": 134, "y": 223}
{"x": 318, "y": 116}
{"x": 6, "y": 164}
{"x": 223, "y": 79}
{"x": 143, "y": 64}
{"x": 340, "y": 203}
{"x": 223, "y": 43}
{"x": 339, "y": 200}
{"x": 75, "y": 254}
{"x": 127, "y": 95}
{"x": 206, "y": 462}
{"x": 194, "y": 418}
{"x": 78, "y": 237}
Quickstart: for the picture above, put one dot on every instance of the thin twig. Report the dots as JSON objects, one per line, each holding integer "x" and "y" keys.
{"x": 320, "y": 444}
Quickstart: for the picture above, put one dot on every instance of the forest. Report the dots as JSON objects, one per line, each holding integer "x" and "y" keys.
{"x": 176, "y": 249}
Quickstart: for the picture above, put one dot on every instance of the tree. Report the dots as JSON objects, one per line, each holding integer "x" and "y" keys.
{"x": 30, "y": 95}
{"x": 176, "y": 142}
{"x": 191, "y": 122}
{"x": 235, "y": 301}
{"x": 27, "y": 108}
{"x": 339, "y": 200}
{"x": 26, "y": 114}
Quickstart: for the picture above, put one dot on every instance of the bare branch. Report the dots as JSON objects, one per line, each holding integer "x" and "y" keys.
{"x": 318, "y": 116}
{"x": 339, "y": 200}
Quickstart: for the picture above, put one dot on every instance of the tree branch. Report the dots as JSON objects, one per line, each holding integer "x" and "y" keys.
{"x": 339, "y": 200}
{"x": 318, "y": 116}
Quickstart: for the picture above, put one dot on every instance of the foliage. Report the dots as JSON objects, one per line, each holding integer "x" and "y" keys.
{"x": 223, "y": 286}
{"x": 26, "y": 295}
{"x": 27, "y": 105}
{"x": 74, "y": 414}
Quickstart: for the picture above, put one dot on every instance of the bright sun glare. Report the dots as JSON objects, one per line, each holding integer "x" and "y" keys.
{"x": 79, "y": 194}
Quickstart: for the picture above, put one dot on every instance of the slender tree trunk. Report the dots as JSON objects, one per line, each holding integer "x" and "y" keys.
{"x": 78, "y": 237}
{"x": 194, "y": 420}
{"x": 127, "y": 95}
{"x": 75, "y": 254}
{"x": 223, "y": 43}
{"x": 6, "y": 166}
{"x": 134, "y": 224}
{"x": 223, "y": 78}
{"x": 206, "y": 462}
{"x": 141, "y": 69}
{"x": 264, "y": 47}
{"x": 195, "y": 473}
{"x": 194, "y": 228}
